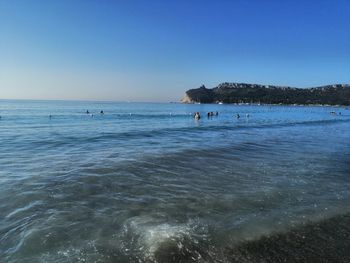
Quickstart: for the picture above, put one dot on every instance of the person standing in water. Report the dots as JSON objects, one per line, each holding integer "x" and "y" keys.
{"x": 197, "y": 116}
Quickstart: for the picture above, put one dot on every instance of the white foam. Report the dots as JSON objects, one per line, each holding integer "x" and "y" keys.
{"x": 154, "y": 236}
{"x": 150, "y": 235}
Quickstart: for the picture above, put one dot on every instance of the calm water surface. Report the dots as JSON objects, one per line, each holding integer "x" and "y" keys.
{"x": 144, "y": 181}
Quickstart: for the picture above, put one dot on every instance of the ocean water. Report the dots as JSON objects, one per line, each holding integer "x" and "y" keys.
{"x": 145, "y": 182}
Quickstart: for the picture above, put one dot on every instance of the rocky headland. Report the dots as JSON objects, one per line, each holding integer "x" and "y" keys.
{"x": 338, "y": 94}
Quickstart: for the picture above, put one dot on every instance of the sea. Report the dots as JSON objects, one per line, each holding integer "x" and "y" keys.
{"x": 146, "y": 182}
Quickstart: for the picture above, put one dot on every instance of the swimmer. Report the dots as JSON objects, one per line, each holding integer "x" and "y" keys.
{"x": 101, "y": 112}
{"x": 197, "y": 116}
{"x": 238, "y": 116}
{"x": 87, "y": 112}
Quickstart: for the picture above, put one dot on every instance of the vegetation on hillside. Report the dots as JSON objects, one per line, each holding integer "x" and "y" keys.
{"x": 253, "y": 93}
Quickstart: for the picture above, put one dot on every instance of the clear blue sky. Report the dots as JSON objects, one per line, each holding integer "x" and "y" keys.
{"x": 155, "y": 50}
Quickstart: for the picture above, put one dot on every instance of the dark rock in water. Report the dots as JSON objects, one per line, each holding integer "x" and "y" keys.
{"x": 325, "y": 241}
{"x": 338, "y": 94}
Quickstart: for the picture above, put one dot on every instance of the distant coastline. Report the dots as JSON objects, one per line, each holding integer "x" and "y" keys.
{"x": 243, "y": 93}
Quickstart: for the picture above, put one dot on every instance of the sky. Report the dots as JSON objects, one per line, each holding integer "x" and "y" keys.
{"x": 156, "y": 50}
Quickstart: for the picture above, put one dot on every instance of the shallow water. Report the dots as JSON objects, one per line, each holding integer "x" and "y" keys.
{"x": 146, "y": 180}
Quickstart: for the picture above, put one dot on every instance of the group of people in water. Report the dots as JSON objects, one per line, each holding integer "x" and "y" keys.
{"x": 197, "y": 114}
{"x": 210, "y": 114}
{"x": 335, "y": 113}
{"x": 239, "y": 116}
{"x": 92, "y": 115}
{"x": 88, "y": 112}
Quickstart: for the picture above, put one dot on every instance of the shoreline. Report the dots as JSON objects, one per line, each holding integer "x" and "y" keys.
{"x": 326, "y": 240}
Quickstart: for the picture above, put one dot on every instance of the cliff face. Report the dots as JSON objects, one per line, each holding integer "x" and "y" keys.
{"x": 187, "y": 99}
{"x": 202, "y": 95}
{"x": 253, "y": 93}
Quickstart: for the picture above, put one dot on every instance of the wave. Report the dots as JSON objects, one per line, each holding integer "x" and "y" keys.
{"x": 164, "y": 242}
{"x": 323, "y": 241}
{"x": 326, "y": 240}
{"x": 154, "y": 133}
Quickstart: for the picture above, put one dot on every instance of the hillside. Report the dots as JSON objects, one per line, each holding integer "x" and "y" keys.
{"x": 338, "y": 94}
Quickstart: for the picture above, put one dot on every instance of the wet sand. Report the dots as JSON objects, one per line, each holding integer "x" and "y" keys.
{"x": 325, "y": 241}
